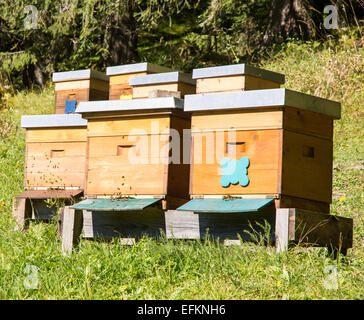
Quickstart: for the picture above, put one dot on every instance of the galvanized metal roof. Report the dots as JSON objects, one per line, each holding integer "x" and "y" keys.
{"x": 237, "y": 69}
{"x": 158, "y": 78}
{"x": 79, "y": 75}
{"x": 262, "y": 99}
{"x": 114, "y": 204}
{"x": 132, "y": 104}
{"x": 225, "y": 206}
{"x": 135, "y": 68}
{"x": 53, "y": 120}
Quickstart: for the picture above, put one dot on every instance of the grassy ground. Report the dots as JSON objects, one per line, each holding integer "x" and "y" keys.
{"x": 32, "y": 266}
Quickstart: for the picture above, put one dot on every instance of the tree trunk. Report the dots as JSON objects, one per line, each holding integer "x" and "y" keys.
{"x": 123, "y": 39}
{"x": 288, "y": 18}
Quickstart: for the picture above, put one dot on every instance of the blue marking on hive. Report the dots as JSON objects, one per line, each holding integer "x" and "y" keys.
{"x": 70, "y": 106}
{"x": 234, "y": 172}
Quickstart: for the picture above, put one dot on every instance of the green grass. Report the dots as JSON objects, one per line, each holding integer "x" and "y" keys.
{"x": 166, "y": 269}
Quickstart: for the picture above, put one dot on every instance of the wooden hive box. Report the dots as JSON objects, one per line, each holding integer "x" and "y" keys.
{"x": 169, "y": 83}
{"x": 283, "y": 139}
{"x": 257, "y": 157}
{"x": 55, "y": 161}
{"x": 119, "y": 77}
{"x": 78, "y": 86}
{"x": 239, "y": 77}
{"x": 129, "y": 148}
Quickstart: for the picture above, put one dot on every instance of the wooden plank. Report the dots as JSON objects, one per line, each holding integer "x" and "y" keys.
{"x": 147, "y": 146}
{"x": 294, "y": 202}
{"x": 253, "y": 83}
{"x": 22, "y": 212}
{"x": 57, "y": 135}
{"x": 72, "y": 85}
{"x": 72, "y": 228}
{"x": 44, "y": 169}
{"x": 164, "y": 93}
{"x": 186, "y": 88}
{"x": 313, "y": 228}
{"x": 109, "y": 176}
{"x": 237, "y": 120}
{"x": 99, "y": 85}
{"x": 124, "y": 126}
{"x": 260, "y": 146}
{"x": 124, "y": 78}
{"x": 143, "y": 91}
{"x": 232, "y": 226}
{"x": 219, "y": 84}
{"x": 106, "y": 225}
{"x": 309, "y": 123}
{"x": 307, "y": 167}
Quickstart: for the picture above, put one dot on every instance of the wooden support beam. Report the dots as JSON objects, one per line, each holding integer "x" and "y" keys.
{"x": 22, "y": 212}
{"x": 312, "y": 228}
{"x": 72, "y": 228}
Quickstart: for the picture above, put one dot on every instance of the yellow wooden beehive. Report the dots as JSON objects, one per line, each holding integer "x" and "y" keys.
{"x": 78, "y": 86}
{"x": 119, "y": 77}
{"x": 285, "y": 138}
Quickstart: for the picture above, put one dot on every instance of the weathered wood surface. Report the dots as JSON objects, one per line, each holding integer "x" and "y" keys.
{"x": 130, "y": 224}
{"x": 22, "y": 212}
{"x": 232, "y": 226}
{"x": 72, "y": 228}
{"x": 312, "y": 228}
{"x": 307, "y": 167}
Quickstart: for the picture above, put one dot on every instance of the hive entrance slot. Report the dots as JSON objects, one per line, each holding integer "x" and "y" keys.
{"x": 308, "y": 152}
{"x": 57, "y": 153}
{"x": 122, "y": 149}
{"x": 236, "y": 147}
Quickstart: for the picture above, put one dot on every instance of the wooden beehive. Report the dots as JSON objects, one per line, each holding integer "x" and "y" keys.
{"x": 239, "y": 77}
{"x": 121, "y": 129}
{"x": 80, "y": 85}
{"x": 55, "y": 151}
{"x": 174, "y": 83}
{"x": 119, "y": 77}
{"x": 287, "y": 137}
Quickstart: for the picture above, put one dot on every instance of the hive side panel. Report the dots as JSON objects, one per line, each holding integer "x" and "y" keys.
{"x": 307, "y": 167}
{"x": 262, "y": 147}
{"x": 310, "y": 123}
{"x": 55, "y": 164}
{"x": 253, "y": 83}
{"x": 186, "y": 88}
{"x": 179, "y": 170}
{"x": 99, "y": 90}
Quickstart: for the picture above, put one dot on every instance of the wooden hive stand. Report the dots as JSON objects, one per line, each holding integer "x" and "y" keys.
{"x": 73, "y": 87}
{"x": 259, "y": 155}
{"x": 54, "y": 165}
{"x": 129, "y": 179}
